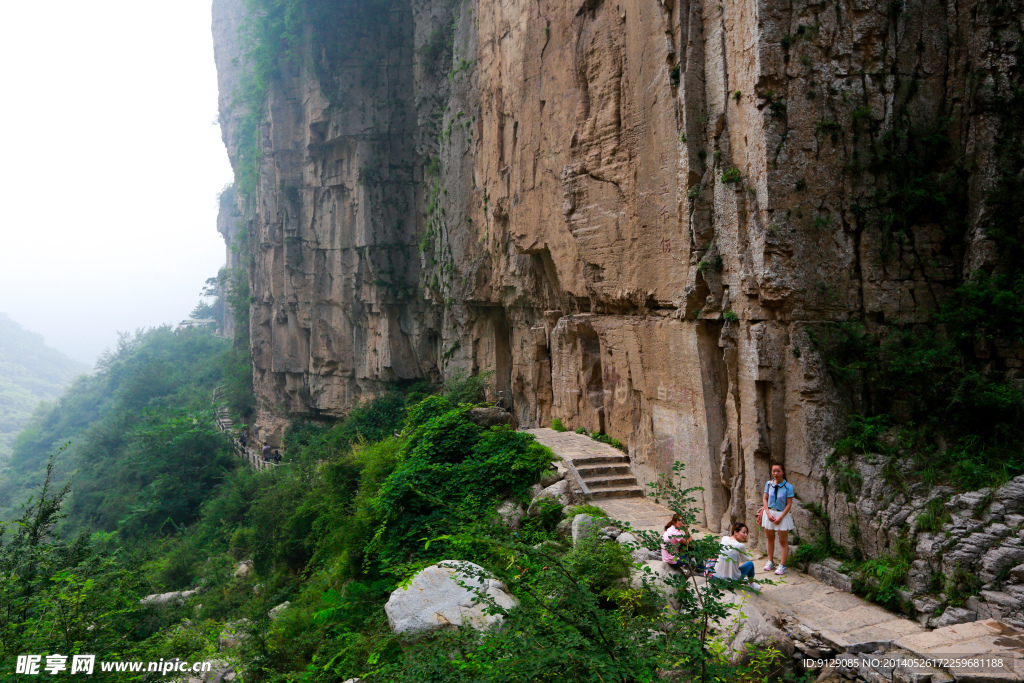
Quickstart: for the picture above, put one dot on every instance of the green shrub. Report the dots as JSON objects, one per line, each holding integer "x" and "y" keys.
{"x": 933, "y": 517}
{"x": 881, "y": 579}
{"x": 592, "y": 510}
{"x": 464, "y": 388}
{"x": 732, "y": 176}
{"x": 558, "y": 426}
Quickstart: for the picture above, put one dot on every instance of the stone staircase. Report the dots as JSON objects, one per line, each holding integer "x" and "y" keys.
{"x": 601, "y": 470}
{"x": 225, "y": 424}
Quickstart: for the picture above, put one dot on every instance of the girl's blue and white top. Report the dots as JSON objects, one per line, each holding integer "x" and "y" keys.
{"x": 778, "y": 494}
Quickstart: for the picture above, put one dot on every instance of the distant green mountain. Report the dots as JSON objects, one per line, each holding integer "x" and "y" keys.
{"x": 30, "y": 372}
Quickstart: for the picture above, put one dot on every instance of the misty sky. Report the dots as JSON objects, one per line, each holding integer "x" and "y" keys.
{"x": 111, "y": 167}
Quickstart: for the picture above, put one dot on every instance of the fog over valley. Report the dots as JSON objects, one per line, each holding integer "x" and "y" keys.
{"x": 112, "y": 165}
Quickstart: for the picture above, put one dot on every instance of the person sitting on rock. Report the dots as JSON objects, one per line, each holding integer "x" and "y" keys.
{"x": 777, "y": 500}
{"x": 675, "y": 547}
{"x": 730, "y": 565}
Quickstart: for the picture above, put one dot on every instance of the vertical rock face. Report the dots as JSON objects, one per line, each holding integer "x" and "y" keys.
{"x": 635, "y": 213}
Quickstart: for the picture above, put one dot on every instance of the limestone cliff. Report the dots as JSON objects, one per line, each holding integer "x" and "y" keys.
{"x": 638, "y": 214}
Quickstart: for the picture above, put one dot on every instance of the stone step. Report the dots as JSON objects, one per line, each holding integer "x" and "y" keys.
{"x": 625, "y": 492}
{"x": 587, "y": 471}
{"x": 609, "y": 483}
{"x": 600, "y": 460}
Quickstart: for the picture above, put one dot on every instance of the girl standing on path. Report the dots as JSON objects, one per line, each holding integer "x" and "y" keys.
{"x": 728, "y": 567}
{"x": 777, "y": 500}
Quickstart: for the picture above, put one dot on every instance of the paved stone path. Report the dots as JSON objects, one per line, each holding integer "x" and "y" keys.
{"x": 223, "y": 419}
{"x": 823, "y": 614}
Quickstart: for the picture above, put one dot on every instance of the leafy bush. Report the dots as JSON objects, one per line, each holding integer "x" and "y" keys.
{"x": 592, "y": 510}
{"x": 372, "y": 420}
{"x": 881, "y": 579}
{"x": 604, "y": 438}
{"x": 463, "y": 388}
{"x": 449, "y": 468}
{"x": 732, "y": 176}
{"x": 558, "y": 426}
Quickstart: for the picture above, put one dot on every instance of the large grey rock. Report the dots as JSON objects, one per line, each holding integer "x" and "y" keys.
{"x": 919, "y": 578}
{"x": 174, "y": 597}
{"x": 243, "y": 570}
{"x": 656, "y": 574}
{"x": 234, "y": 633}
{"x": 926, "y": 607}
{"x": 639, "y": 553}
{"x": 998, "y": 529}
{"x": 435, "y": 600}
{"x": 511, "y": 514}
{"x": 584, "y": 526}
{"x": 751, "y": 626}
{"x": 626, "y": 537}
{"x": 492, "y": 417}
{"x": 220, "y": 672}
{"x": 955, "y": 615}
{"x": 1011, "y": 495}
{"x": 1018, "y": 572}
{"x": 969, "y": 501}
{"x": 275, "y": 612}
{"x": 551, "y": 477}
{"x": 1000, "y": 603}
{"x": 828, "y": 572}
{"x": 999, "y": 559}
{"x": 558, "y": 492}
{"x": 563, "y": 531}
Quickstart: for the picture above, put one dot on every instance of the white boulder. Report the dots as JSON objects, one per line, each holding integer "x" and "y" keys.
{"x": 233, "y": 634}
{"x": 751, "y": 626}
{"x": 584, "y": 526}
{"x": 435, "y": 600}
{"x": 655, "y": 574}
{"x": 276, "y": 611}
{"x": 176, "y": 597}
{"x": 559, "y": 492}
{"x": 511, "y": 514}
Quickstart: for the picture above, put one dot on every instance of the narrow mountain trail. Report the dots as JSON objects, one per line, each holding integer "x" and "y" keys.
{"x": 865, "y": 641}
{"x": 225, "y": 424}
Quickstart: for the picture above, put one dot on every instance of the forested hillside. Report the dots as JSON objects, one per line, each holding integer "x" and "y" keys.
{"x": 139, "y": 435}
{"x": 30, "y": 372}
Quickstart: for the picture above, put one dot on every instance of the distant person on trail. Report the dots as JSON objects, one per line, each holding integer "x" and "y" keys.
{"x": 277, "y": 456}
{"x": 675, "y": 546}
{"x": 242, "y": 438}
{"x": 266, "y": 453}
{"x": 777, "y": 500}
{"x": 734, "y": 550}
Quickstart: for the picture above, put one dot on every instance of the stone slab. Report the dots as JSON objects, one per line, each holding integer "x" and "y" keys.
{"x": 838, "y": 601}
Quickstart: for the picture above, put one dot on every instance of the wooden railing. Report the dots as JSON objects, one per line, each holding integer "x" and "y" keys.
{"x": 225, "y": 424}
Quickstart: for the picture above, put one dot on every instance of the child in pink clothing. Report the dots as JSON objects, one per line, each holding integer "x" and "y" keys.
{"x": 675, "y": 543}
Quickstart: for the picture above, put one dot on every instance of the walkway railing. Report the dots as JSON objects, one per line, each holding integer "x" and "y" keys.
{"x": 225, "y": 424}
